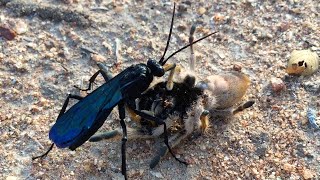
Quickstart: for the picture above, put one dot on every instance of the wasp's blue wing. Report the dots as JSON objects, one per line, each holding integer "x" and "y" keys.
{"x": 77, "y": 121}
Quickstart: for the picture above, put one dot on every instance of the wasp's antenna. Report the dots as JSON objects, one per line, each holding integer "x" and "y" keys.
{"x": 45, "y": 154}
{"x": 192, "y": 30}
{"x": 170, "y": 32}
{"x": 164, "y": 62}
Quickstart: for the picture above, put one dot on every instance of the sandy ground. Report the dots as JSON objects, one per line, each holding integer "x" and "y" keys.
{"x": 271, "y": 140}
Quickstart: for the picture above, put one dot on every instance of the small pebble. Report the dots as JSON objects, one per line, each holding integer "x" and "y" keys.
{"x": 218, "y": 17}
{"x": 182, "y": 8}
{"x": 98, "y": 58}
{"x": 201, "y": 10}
{"x": 20, "y": 27}
{"x": 307, "y": 174}
{"x": 311, "y": 115}
{"x": 156, "y": 174}
{"x": 277, "y": 85}
{"x": 11, "y": 178}
{"x": 237, "y": 67}
{"x": 7, "y": 33}
{"x": 288, "y": 167}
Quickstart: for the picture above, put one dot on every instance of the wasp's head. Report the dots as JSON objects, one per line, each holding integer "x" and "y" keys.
{"x": 155, "y": 67}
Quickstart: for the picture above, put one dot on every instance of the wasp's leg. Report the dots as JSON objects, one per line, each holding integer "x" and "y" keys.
{"x": 135, "y": 117}
{"x": 132, "y": 115}
{"x": 171, "y": 68}
{"x": 66, "y": 102}
{"x": 122, "y": 115}
{"x": 173, "y": 141}
{"x": 190, "y": 125}
{"x": 62, "y": 111}
{"x": 132, "y": 133}
{"x": 191, "y": 38}
{"x": 156, "y": 132}
{"x": 91, "y": 81}
{"x": 103, "y": 70}
{"x": 159, "y": 121}
{"x": 44, "y": 154}
{"x": 105, "y": 135}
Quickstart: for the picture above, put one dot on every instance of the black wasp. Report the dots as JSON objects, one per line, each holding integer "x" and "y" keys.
{"x": 76, "y": 125}
{"x": 186, "y": 103}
